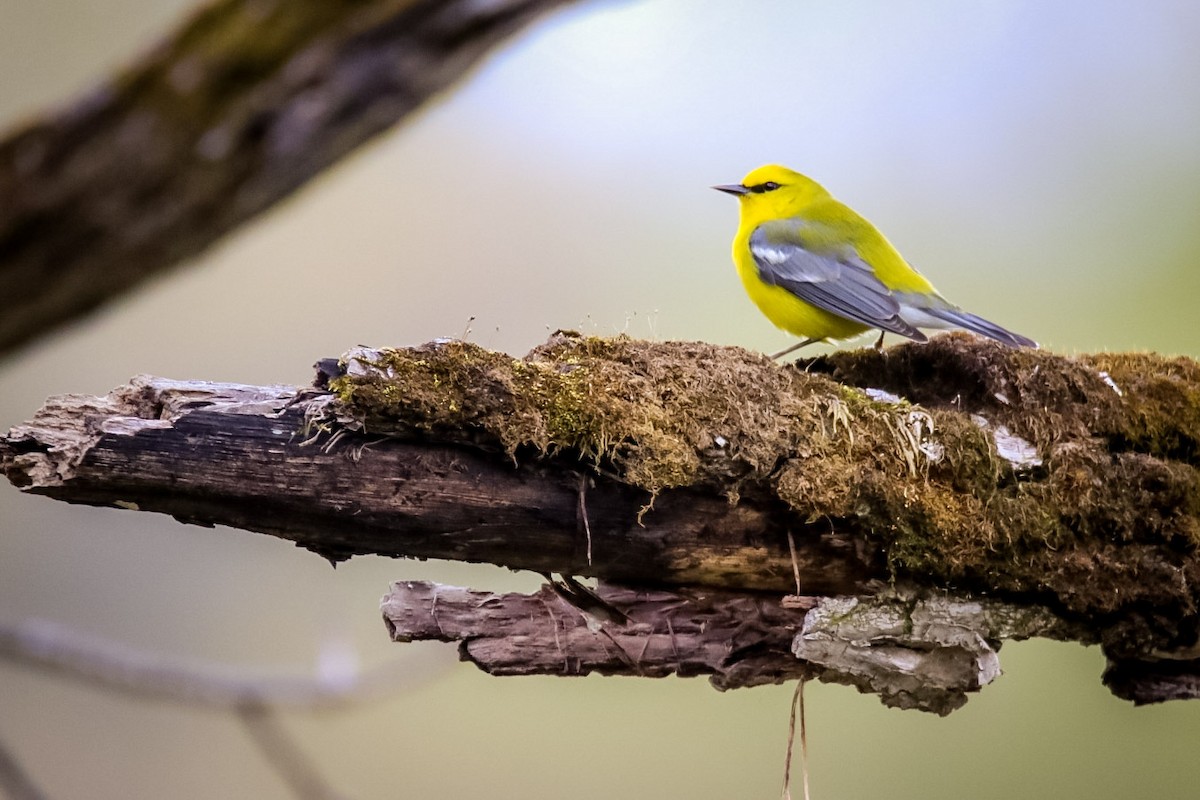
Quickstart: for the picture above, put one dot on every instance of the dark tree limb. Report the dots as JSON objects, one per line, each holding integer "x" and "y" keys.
{"x": 236, "y": 110}
{"x": 53, "y": 649}
{"x": 1042, "y": 496}
{"x": 224, "y": 454}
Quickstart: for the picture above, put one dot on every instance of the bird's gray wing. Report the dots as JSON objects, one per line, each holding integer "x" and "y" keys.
{"x": 838, "y": 282}
{"x": 936, "y": 312}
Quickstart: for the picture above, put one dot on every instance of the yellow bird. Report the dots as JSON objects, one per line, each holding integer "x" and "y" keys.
{"x": 819, "y": 270}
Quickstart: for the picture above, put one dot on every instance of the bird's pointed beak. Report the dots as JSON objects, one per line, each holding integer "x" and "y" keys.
{"x": 732, "y": 188}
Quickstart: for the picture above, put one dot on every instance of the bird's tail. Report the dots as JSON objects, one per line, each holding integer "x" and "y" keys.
{"x": 961, "y": 319}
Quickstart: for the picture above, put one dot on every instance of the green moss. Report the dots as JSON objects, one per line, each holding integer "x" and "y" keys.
{"x": 1159, "y": 403}
{"x": 1138, "y": 401}
{"x": 636, "y": 407}
{"x": 1109, "y": 521}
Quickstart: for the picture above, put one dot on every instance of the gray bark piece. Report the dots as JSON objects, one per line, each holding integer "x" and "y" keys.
{"x": 925, "y": 654}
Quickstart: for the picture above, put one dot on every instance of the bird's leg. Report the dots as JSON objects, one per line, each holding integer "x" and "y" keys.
{"x": 879, "y": 341}
{"x": 793, "y": 348}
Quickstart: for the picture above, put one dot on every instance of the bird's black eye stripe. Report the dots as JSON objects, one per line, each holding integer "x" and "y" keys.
{"x": 759, "y": 188}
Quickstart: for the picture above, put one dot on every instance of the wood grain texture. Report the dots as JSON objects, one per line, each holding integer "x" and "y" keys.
{"x": 740, "y": 639}
{"x": 918, "y": 654}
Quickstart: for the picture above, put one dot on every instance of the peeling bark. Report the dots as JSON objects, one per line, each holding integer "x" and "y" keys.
{"x": 741, "y": 639}
{"x": 922, "y": 654}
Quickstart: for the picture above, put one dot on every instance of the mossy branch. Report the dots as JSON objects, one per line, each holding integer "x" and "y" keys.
{"x": 1063, "y": 490}
{"x": 238, "y": 108}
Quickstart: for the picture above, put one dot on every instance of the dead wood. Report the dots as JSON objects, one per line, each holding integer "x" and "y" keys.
{"x": 925, "y": 654}
{"x": 1028, "y": 494}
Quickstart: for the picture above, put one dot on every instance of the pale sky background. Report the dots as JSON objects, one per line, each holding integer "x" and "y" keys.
{"x": 1038, "y": 161}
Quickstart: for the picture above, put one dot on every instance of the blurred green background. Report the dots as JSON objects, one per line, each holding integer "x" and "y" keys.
{"x": 1039, "y": 161}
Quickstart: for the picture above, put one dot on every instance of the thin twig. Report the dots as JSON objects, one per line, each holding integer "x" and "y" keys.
{"x": 283, "y": 754}
{"x": 587, "y": 526}
{"x": 795, "y": 561}
{"x": 803, "y": 741}
{"x": 15, "y": 781}
{"x": 54, "y": 648}
{"x": 797, "y": 703}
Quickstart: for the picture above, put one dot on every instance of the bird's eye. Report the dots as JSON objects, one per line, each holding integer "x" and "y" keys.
{"x": 769, "y": 186}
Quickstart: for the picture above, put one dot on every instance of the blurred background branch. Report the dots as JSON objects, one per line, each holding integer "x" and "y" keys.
{"x": 51, "y": 648}
{"x": 290, "y": 763}
{"x": 236, "y": 110}
{"x": 16, "y": 782}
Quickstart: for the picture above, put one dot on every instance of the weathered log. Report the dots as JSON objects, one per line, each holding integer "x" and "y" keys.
{"x": 1065, "y": 488}
{"x": 247, "y": 457}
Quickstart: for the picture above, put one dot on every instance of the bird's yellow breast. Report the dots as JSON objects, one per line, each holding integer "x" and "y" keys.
{"x": 782, "y": 307}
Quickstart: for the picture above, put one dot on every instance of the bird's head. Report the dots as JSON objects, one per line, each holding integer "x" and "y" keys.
{"x": 772, "y": 192}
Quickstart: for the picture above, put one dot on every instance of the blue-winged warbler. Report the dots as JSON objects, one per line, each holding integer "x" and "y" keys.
{"x": 819, "y": 270}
